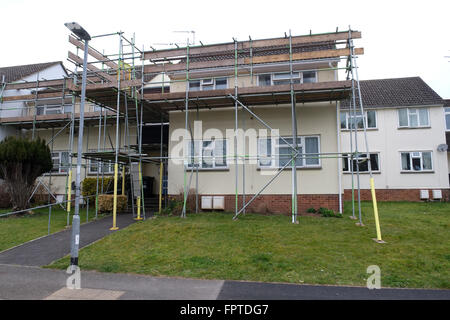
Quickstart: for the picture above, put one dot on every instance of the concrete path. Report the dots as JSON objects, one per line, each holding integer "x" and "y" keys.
{"x": 45, "y": 250}
{"x": 20, "y": 282}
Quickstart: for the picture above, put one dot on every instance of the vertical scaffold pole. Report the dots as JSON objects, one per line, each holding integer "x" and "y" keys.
{"x": 141, "y": 187}
{"x": 339, "y": 160}
{"x": 160, "y": 167}
{"x": 98, "y": 162}
{"x": 116, "y": 161}
{"x": 186, "y": 111}
{"x": 369, "y": 164}
{"x": 294, "y": 137}
{"x": 236, "y": 128}
{"x": 69, "y": 178}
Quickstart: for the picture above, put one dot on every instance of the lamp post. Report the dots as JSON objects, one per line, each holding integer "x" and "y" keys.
{"x": 76, "y": 29}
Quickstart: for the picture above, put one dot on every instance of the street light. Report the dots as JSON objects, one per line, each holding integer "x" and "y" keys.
{"x": 75, "y": 239}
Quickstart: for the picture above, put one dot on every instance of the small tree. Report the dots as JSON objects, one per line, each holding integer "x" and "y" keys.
{"x": 21, "y": 162}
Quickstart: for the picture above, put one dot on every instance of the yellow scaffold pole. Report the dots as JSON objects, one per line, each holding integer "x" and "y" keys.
{"x": 123, "y": 180}
{"x": 160, "y": 184}
{"x": 139, "y": 197}
{"x": 116, "y": 169}
{"x": 375, "y": 211}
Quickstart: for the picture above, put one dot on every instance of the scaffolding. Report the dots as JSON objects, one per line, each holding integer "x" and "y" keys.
{"x": 118, "y": 87}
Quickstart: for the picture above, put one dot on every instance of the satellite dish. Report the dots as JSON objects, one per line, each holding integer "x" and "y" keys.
{"x": 442, "y": 147}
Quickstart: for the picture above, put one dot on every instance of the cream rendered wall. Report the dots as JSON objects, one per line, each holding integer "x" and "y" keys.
{"x": 388, "y": 140}
{"x": 313, "y": 119}
{"x": 61, "y": 143}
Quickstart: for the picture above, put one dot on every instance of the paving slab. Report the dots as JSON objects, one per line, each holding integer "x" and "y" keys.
{"x": 45, "y": 250}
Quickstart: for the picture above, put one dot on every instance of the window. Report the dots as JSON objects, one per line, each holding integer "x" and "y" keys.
{"x": 207, "y": 154}
{"x": 348, "y": 122}
{"x": 413, "y": 117}
{"x": 276, "y": 153}
{"x": 416, "y": 161}
{"x": 60, "y": 161}
{"x": 284, "y": 78}
{"x": 447, "y": 118}
{"x": 208, "y": 84}
{"x": 350, "y": 164}
{"x": 107, "y": 167}
{"x": 53, "y": 109}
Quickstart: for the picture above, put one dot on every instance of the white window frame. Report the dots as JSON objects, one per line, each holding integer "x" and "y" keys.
{"x": 61, "y": 168}
{"x": 204, "y": 83}
{"x": 198, "y": 155}
{"x": 348, "y": 117}
{"x": 350, "y": 165}
{"x": 275, "y": 156}
{"x": 446, "y": 113}
{"x": 108, "y": 164}
{"x": 408, "y": 112}
{"x": 273, "y": 74}
{"x": 421, "y": 161}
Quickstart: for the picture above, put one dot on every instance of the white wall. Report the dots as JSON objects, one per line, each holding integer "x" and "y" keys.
{"x": 388, "y": 140}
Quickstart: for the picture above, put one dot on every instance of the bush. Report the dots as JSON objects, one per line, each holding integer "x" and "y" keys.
{"x": 5, "y": 198}
{"x": 21, "y": 162}
{"x": 311, "y": 210}
{"x": 89, "y": 186}
{"x": 328, "y": 213}
{"x": 106, "y": 203}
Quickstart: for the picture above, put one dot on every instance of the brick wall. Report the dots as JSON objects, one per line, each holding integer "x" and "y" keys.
{"x": 394, "y": 194}
{"x": 281, "y": 203}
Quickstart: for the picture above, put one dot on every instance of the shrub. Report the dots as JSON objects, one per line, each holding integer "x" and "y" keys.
{"x": 328, "y": 213}
{"x": 106, "y": 203}
{"x": 89, "y": 186}
{"x": 21, "y": 162}
{"x": 5, "y": 198}
{"x": 311, "y": 210}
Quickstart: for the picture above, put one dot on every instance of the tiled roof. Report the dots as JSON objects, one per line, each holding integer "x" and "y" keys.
{"x": 447, "y": 103}
{"x": 19, "y": 72}
{"x": 396, "y": 92}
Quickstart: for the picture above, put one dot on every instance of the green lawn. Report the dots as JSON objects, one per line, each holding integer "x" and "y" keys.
{"x": 270, "y": 248}
{"x": 15, "y": 230}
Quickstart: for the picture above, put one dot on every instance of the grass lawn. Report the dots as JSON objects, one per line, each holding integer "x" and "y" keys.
{"x": 15, "y": 230}
{"x": 270, "y": 248}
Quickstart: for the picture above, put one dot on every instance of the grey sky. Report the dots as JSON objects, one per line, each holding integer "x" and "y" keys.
{"x": 400, "y": 38}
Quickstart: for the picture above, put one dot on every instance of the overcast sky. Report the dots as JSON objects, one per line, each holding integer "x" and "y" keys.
{"x": 400, "y": 38}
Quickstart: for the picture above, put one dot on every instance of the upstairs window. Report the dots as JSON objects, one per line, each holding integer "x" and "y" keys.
{"x": 416, "y": 161}
{"x": 285, "y": 78}
{"x": 106, "y": 167}
{"x": 53, "y": 109}
{"x": 447, "y": 118}
{"x": 348, "y": 122}
{"x": 276, "y": 153}
{"x": 208, "y": 84}
{"x": 413, "y": 118}
{"x": 351, "y": 164}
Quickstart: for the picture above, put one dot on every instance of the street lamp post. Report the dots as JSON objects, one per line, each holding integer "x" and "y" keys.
{"x": 75, "y": 239}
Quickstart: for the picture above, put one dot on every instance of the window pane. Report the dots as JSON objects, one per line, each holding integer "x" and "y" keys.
{"x": 207, "y": 87}
{"x": 312, "y": 146}
{"x": 344, "y": 162}
{"x": 363, "y": 163}
{"x": 194, "y": 85}
{"x": 403, "y": 117}
{"x": 264, "y": 80}
{"x": 413, "y": 118}
{"x": 426, "y": 156}
{"x": 374, "y": 162}
{"x": 343, "y": 117}
{"x": 416, "y": 163}
{"x": 309, "y": 77}
{"x": 220, "y": 153}
{"x": 371, "y": 119}
{"x": 447, "y": 121}
{"x": 207, "y": 155}
{"x": 265, "y": 152}
{"x": 423, "y": 117}
{"x": 406, "y": 161}
{"x": 221, "y": 83}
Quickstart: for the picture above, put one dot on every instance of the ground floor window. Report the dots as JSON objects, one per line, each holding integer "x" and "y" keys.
{"x": 417, "y": 161}
{"x": 207, "y": 154}
{"x": 277, "y": 152}
{"x": 348, "y": 163}
{"x": 106, "y": 167}
{"x": 60, "y": 161}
